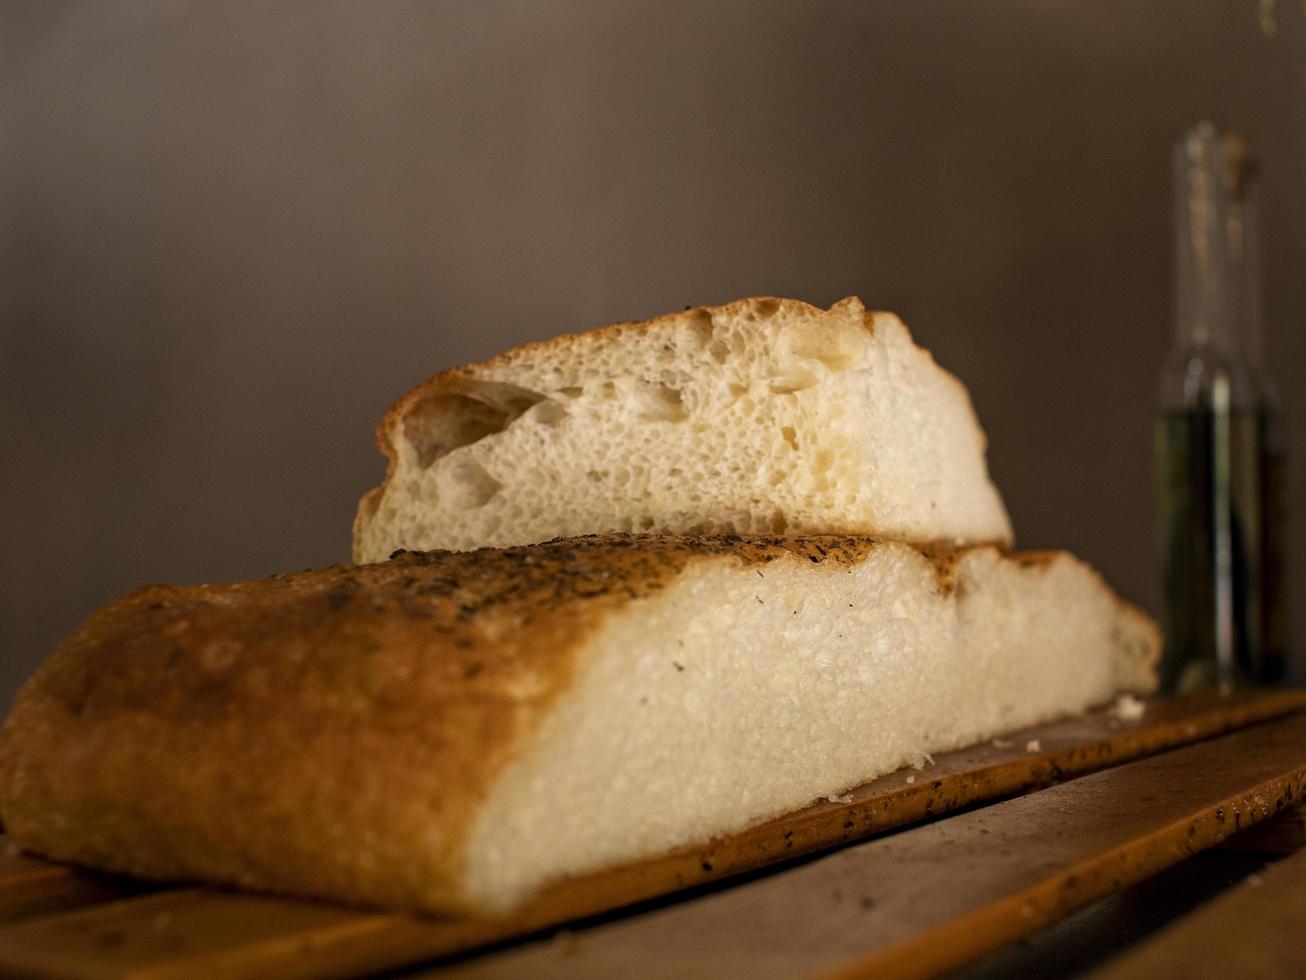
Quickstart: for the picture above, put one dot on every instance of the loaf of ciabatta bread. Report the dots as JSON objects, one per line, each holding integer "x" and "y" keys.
{"x": 761, "y": 416}
{"x": 451, "y": 731}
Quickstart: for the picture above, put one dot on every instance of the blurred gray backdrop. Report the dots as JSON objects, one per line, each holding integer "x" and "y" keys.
{"x": 232, "y": 233}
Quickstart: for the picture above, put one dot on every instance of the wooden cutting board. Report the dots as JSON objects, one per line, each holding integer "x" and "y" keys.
{"x": 1184, "y": 776}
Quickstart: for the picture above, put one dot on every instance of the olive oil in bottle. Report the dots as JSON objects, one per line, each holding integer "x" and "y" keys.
{"x": 1267, "y": 665}
{"x": 1208, "y": 447}
{"x": 1210, "y": 504}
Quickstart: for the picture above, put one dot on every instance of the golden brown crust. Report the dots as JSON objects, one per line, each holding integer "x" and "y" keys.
{"x": 260, "y": 700}
{"x": 256, "y": 732}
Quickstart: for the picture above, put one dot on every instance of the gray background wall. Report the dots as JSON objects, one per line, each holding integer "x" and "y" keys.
{"x": 231, "y": 233}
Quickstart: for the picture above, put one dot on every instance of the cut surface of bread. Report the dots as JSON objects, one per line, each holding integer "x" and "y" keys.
{"x": 762, "y": 416}
{"x": 451, "y": 731}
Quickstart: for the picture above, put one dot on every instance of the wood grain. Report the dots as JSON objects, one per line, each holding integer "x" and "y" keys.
{"x": 181, "y": 932}
{"x": 1255, "y": 929}
{"x": 1284, "y": 834}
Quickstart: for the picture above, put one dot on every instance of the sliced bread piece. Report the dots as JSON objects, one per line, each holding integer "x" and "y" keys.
{"x": 762, "y": 416}
{"x": 453, "y": 730}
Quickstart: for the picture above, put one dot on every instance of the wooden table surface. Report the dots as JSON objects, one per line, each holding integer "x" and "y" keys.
{"x": 918, "y": 873}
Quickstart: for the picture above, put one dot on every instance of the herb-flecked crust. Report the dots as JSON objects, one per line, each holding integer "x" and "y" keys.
{"x": 327, "y": 732}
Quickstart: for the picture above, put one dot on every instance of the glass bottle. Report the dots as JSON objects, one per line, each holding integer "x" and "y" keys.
{"x": 1268, "y": 664}
{"x": 1207, "y": 445}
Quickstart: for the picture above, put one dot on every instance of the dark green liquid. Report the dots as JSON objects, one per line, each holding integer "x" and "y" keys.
{"x": 1210, "y": 496}
{"x": 1274, "y": 595}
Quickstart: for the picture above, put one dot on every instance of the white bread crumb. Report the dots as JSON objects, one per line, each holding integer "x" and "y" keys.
{"x": 899, "y": 645}
{"x": 762, "y": 416}
{"x": 1033, "y": 745}
{"x": 1129, "y": 708}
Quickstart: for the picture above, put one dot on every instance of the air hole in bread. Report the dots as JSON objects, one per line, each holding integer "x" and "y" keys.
{"x": 836, "y": 360}
{"x": 547, "y": 412}
{"x": 450, "y": 419}
{"x": 571, "y": 391}
{"x": 795, "y": 379}
{"x": 837, "y": 350}
{"x": 790, "y": 436}
{"x": 660, "y": 403}
{"x": 701, "y": 326}
{"x": 467, "y": 485}
{"x": 719, "y": 351}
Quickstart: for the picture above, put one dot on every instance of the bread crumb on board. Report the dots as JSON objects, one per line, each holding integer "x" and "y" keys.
{"x": 1033, "y": 745}
{"x": 1129, "y": 708}
{"x": 836, "y": 798}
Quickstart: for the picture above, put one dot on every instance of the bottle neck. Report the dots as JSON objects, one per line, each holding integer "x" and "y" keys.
{"x": 1243, "y": 221}
{"x": 1202, "y": 308}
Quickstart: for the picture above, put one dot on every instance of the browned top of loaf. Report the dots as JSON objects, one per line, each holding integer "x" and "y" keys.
{"x": 258, "y": 700}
